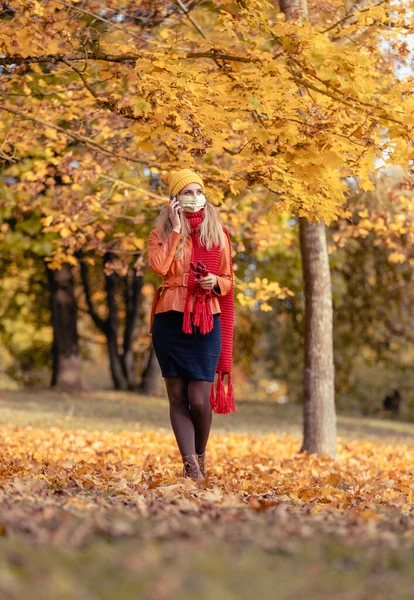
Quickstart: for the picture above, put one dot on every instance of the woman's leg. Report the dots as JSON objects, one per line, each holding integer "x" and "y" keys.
{"x": 199, "y": 399}
{"x": 180, "y": 415}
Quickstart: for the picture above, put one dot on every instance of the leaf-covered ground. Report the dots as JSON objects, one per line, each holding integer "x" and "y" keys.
{"x": 104, "y": 512}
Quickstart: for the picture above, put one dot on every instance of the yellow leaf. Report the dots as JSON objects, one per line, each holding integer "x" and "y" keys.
{"x": 65, "y": 232}
{"x": 265, "y": 307}
{"x": 47, "y": 220}
{"x": 51, "y": 133}
{"x": 139, "y": 243}
{"x": 397, "y": 257}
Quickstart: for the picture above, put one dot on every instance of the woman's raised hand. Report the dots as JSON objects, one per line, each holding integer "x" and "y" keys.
{"x": 175, "y": 211}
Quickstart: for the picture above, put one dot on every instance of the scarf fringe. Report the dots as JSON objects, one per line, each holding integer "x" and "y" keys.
{"x": 207, "y": 320}
{"x": 187, "y": 325}
{"x": 198, "y": 310}
{"x": 202, "y": 315}
{"x": 222, "y": 403}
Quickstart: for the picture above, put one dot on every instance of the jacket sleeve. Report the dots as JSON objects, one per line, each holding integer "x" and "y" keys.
{"x": 161, "y": 252}
{"x": 224, "y": 275}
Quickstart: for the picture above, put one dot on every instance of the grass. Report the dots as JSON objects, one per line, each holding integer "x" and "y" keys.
{"x": 118, "y": 411}
{"x": 164, "y": 569}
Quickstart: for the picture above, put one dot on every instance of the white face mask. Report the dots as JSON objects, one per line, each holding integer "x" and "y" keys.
{"x": 192, "y": 204}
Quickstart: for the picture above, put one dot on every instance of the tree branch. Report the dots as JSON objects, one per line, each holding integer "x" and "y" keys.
{"x": 215, "y": 54}
{"x": 330, "y": 86}
{"x": 131, "y": 59}
{"x": 147, "y": 40}
{"x": 306, "y": 84}
{"x": 133, "y": 187}
{"x": 84, "y": 271}
{"x": 192, "y": 21}
{"x": 75, "y": 136}
{"x": 352, "y": 14}
{"x": 86, "y": 84}
{"x": 76, "y": 7}
{"x": 57, "y": 58}
{"x": 105, "y": 103}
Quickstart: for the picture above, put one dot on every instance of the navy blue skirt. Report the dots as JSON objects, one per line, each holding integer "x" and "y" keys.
{"x": 190, "y": 356}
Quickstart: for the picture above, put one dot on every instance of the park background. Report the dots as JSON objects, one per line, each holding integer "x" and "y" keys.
{"x": 296, "y": 115}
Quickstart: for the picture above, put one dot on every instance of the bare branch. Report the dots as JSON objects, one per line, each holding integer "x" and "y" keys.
{"x": 134, "y": 187}
{"x": 192, "y": 21}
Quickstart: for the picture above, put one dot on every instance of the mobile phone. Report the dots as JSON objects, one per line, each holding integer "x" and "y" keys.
{"x": 174, "y": 198}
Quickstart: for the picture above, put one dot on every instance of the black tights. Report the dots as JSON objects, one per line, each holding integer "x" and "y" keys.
{"x": 190, "y": 413}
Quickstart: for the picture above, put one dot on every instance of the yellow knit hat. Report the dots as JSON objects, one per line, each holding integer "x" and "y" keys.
{"x": 179, "y": 179}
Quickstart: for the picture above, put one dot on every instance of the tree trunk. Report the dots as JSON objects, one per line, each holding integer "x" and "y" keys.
{"x": 292, "y": 8}
{"x": 121, "y": 363}
{"x": 111, "y": 329}
{"x": 132, "y": 299}
{"x": 151, "y": 375}
{"x": 319, "y": 418}
{"x": 115, "y": 362}
{"x": 66, "y": 368}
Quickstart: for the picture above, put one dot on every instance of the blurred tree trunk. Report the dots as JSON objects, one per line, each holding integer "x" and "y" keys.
{"x": 110, "y": 329}
{"x": 121, "y": 362}
{"x": 67, "y": 363}
{"x": 132, "y": 300}
{"x": 151, "y": 375}
{"x": 319, "y": 418}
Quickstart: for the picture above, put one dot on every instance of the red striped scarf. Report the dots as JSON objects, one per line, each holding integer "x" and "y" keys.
{"x": 207, "y": 261}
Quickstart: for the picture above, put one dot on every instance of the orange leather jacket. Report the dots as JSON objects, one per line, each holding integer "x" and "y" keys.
{"x": 172, "y": 292}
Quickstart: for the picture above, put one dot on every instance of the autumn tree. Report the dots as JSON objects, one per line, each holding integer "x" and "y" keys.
{"x": 319, "y": 417}
{"x": 235, "y": 90}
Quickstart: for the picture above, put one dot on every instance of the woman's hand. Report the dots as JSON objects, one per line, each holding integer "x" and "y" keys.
{"x": 174, "y": 214}
{"x": 208, "y": 282}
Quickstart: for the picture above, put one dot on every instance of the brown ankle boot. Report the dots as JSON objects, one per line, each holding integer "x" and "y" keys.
{"x": 202, "y": 463}
{"x": 191, "y": 467}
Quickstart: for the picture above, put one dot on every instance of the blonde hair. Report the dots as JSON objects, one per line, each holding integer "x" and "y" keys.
{"x": 211, "y": 229}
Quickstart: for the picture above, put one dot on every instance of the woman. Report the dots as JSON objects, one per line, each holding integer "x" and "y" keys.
{"x": 192, "y": 314}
